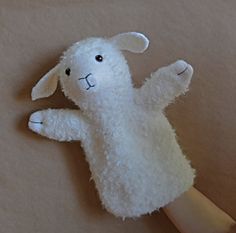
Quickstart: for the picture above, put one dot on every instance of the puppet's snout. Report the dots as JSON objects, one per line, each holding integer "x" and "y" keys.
{"x": 87, "y": 82}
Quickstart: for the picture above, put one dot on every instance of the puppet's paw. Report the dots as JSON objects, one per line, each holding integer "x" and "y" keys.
{"x": 182, "y": 69}
{"x": 181, "y": 72}
{"x": 36, "y": 122}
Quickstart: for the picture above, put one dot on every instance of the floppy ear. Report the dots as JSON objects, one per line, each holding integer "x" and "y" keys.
{"x": 47, "y": 85}
{"x": 131, "y": 41}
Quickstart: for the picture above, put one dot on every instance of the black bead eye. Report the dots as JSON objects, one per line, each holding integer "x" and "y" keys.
{"x": 99, "y": 58}
{"x": 67, "y": 71}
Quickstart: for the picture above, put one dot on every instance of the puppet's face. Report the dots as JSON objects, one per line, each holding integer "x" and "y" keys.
{"x": 91, "y": 67}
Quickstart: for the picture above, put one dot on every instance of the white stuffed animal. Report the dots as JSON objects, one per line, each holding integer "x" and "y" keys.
{"x": 131, "y": 148}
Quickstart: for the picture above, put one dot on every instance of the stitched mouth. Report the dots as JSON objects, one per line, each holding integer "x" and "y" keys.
{"x": 87, "y": 81}
{"x": 183, "y": 71}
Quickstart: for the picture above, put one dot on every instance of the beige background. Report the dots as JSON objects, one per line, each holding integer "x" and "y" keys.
{"x": 44, "y": 185}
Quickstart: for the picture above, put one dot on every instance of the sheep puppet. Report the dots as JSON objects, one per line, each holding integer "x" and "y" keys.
{"x": 131, "y": 148}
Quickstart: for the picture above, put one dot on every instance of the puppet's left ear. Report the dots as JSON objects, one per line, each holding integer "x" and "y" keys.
{"x": 131, "y": 41}
{"x": 47, "y": 85}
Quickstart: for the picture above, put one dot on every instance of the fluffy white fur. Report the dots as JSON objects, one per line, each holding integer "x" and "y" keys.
{"x": 131, "y": 148}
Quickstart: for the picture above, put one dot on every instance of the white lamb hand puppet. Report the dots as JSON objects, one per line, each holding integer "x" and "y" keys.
{"x": 131, "y": 148}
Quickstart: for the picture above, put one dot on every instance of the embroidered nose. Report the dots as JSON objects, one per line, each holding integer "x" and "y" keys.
{"x": 88, "y": 81}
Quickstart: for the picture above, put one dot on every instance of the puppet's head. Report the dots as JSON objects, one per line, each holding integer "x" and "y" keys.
{"x": 93, "y": 67}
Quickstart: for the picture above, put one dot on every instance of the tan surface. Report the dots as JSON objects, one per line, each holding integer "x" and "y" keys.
{"x": 44, "y": 185}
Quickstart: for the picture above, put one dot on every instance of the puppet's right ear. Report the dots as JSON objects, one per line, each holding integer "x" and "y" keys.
{"x": 135, "y": 42}
{"x": 47, "y": 85}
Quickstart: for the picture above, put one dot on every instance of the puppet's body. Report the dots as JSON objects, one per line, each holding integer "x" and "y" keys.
{"x": 134, "y": 158}
{"x": 130, "y": 176}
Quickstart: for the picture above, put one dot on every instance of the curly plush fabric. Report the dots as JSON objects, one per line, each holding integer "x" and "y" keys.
{"x": 131, "y": 148}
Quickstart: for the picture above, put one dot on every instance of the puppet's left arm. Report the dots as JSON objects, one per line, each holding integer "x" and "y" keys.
{"x": 59, "y": 124}
{"x": 164, "y": 85}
